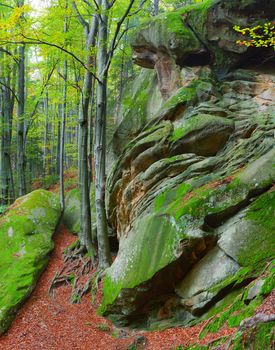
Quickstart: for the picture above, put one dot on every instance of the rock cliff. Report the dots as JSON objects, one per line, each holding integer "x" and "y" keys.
{"x": 191, "y": 194}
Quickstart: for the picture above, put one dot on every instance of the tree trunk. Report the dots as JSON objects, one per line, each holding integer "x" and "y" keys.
{"x": 46, "y": 137}
{"x": 58, "y": 141}
{"x": 62, "y": 139}
{"x": 155, "y": 7}
{"x": 100, "y": 141}
{"x": 63, "y": 124}
{"x": 85, "y": 234}
{"x": 6, "y": 108}
{"x": 21, "y": 163}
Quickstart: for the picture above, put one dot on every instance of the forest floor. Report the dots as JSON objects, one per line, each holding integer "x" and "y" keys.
{"x": 51, "y": 322}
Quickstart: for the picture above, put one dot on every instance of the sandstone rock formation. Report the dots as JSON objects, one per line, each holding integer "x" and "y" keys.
{"x": 191, "y": 196}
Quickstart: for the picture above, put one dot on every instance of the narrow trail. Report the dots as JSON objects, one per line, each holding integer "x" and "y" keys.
{"x": 48, "y": 322}
{"x": 53, "y": 323}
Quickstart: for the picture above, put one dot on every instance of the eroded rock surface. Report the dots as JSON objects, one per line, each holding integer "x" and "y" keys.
{"x": 192, "y": 193}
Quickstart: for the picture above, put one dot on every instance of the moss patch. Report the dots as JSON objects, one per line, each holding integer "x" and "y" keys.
{"x": 71, "y": 217}
{"x": 199, "y": 122}
{"x": 141, "y": 256}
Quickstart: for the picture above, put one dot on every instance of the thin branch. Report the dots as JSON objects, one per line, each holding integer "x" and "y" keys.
{"x": 9, "y": 54}
{"x": 11, "y": 7}
{"x": 38, "y": 100}
{"x": 89, "y": 4}
{"x": 11, "y": 90}
{"x": 114, "y": 44}
{"x": 111, "y": 4}
{"x": 138, "y": 10}
{"x": 84, "y": 23}
{"x": 42, "y": 42}
{"x": 121, "y": 36}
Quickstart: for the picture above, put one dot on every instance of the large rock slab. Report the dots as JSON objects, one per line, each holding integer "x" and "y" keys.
{"x": 26, "y": 232}
{"x": 249, "y": 237}
{"x": 194, "y": 290}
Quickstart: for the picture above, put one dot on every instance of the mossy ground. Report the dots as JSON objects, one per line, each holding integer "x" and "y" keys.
{"x": 235, "y": 307}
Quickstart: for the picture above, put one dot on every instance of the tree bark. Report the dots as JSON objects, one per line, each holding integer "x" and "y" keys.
{"x": 6, "y": 108}
{"x": 46, "y": 136}
{"x": 85, "y": 234}
{"x": 155, "y": 7}
{"x": 100, "y": 141}
{"x": 63, "y": 124}
{"x": 21, "y": 163}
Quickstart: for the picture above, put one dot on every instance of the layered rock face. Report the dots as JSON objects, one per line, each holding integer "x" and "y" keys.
{"x": 25, "y": 244}
{"x": 191, "y": 197}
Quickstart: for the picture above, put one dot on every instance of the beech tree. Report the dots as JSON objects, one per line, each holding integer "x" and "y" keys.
{"x": 66, "y": 71}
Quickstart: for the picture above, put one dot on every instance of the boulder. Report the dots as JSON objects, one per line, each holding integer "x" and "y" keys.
{"x": 195, "y": 289}
{"x": 71, "y": 216}
{"x": 26, "y": 231}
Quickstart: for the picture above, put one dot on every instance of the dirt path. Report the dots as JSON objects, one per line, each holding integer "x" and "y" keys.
{"x": 53, "y": 323}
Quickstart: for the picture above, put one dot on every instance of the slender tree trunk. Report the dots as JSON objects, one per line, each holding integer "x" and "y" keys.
{"x": 91, "y": 132}
{"x": 21, "y": 163}
{"x": 155, "y": 7}
{"x": 6, "y": 108}
{"x": 63, "y": 125}
{"x": 62, "y": 139}
{"x": 84, "y": 183}
{"x": 52, "y": 141}
{"x": 46, "y": 137}
{"x": 100, "y": 141}
{"x": 58, "y": 140}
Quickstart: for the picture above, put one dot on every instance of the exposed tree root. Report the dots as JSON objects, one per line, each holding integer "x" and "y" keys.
{"x": 259, "y": 318}
{"x": 95, "y": 279}
{"x": 76, "y": 271}
{"x": 250, "y": 323}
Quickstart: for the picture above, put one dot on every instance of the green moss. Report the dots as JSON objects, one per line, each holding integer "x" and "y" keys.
{"x": 261, "y": 211}
{"x": 166, "y": 31}
{"x": 172, "y": 23}
{"x": 260, "y": 337}
{"x": 71, "y": 217}
{"x": 187, "y": 94}
{"x": 243, "y": 311}
{"x": 168, "y": 196}
{"x": 234, "y": 307}
{"x": 141, "y": 256}
{"x": 139, "y": 92}
{"x": 269, "y": 282}
{"x": 237, "y": 312}
{"x": 25, "y": 244}
{"x": 260, "y": 215}
{"x": 243, "y": 274}
{"x": 199, "y": 122}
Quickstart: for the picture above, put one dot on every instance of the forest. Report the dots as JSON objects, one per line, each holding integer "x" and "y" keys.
{"x": 137, "y": 174}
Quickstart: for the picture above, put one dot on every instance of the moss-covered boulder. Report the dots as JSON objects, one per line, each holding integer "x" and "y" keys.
{"x": 26, "y": 231}
{"x": 71, "y": 216}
